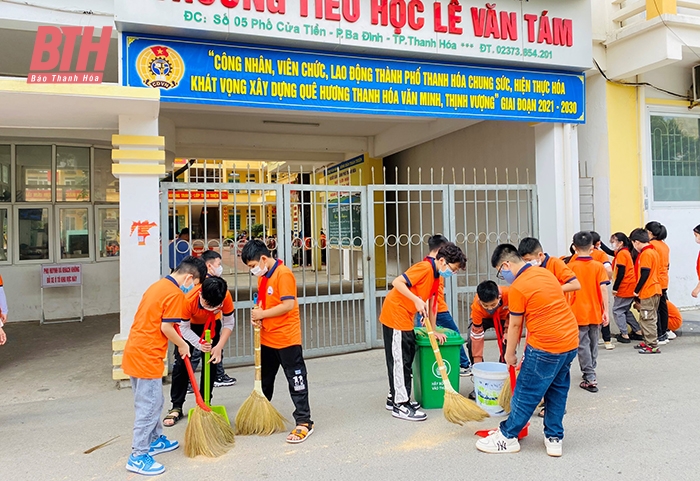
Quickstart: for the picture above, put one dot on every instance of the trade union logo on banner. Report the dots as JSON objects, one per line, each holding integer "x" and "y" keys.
{"x": 160, "y": 67}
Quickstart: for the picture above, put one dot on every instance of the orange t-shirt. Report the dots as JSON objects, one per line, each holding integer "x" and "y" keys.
{"x": 537, "y": 295}
{"x": 196, "y": 314}
{"x": 649, "y": 259}
{"x": 629, "y": 281}
{"x": 600, "y": 256}
{"x": 675, "y": 320}
{"x": 559, "y": 268}
{"x": 664, "y": 260}
{"x": 285, "y": 330}
{"x": 478, "y": 313}
{"x": 147, "y": 345}
{"x": 587, "y": 305}
{"x": 398, "y": 312}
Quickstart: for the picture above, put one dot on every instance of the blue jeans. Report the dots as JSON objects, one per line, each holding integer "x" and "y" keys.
{"x": 445, "y": 320}
{"x": 148, "y": 405}
{"x": 542, "y": 374}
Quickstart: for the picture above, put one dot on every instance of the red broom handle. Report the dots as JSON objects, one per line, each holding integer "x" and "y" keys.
{"x": 193, "y": 380}
{"x": 511, "y": 371}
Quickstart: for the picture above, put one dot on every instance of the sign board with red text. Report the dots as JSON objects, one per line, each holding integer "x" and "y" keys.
{"x": 61, "y": 275}
{"x": 552, "y": 34}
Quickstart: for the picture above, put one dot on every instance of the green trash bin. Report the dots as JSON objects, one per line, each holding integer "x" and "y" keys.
{"x": 427, "y": 382}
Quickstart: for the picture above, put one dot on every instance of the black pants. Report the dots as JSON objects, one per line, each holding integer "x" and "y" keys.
{"x": 178, "y": 389}
{"x": 488, "y": 324}
{"x": 292, "y": 361}
{"x": 400, "y": 349}
{"x": 662, "y": 324}
{"x": 605, "y": 331}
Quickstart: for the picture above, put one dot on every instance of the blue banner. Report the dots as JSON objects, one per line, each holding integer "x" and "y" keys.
{"x": 194, "y": 71}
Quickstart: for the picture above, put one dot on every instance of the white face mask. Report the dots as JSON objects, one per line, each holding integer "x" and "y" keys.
{"x": 258, "y": 271}
{"x": 535, "y": 263}
{"x": 218, "y": 271}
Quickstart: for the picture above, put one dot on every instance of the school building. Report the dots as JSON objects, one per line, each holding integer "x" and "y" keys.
{"x": 343, "y": 133}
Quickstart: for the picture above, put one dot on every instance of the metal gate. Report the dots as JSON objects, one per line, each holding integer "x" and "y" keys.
{"x": 345, "y": 243}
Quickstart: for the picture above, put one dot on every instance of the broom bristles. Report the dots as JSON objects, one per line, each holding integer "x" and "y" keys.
{"x": 506, "y": 395}
{"x": 207, "y": 434}
{"x": 257, "y": 415}
{"x": 459, "y": 410}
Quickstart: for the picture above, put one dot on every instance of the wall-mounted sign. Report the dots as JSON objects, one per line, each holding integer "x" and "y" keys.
{"x": 279, "y": 78}
{"x": 549, "y": 33}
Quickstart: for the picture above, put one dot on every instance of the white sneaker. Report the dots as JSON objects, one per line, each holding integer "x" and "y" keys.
{"x": 465, "y": 371}
{"x": 553, "y": 446}
{"x": 408, "y": 412}
{"x": 609, "y": 346}
{"x": 671, "y": 334}
{"x": 497, "y": 443}
{"x": 601, "y": 341}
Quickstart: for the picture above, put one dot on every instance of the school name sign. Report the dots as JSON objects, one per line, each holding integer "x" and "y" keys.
{"x": 278, "y": 78}
{"x": 548, "y": 33}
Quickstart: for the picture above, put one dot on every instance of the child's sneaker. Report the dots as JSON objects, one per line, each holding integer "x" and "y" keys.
{"x": 390, "y": 404}
{"x": 649, "y": 350}
{"x": 497, "y": 443}
{"x": 144, "y": 464}
{"x": 224, "y": 381}
{"x": 465, "y": 371}
{"x": 609, "y": 346}
{"x": 662, "y": 340}
{"x": 553, "y": 446}
{"x": 408, "y": 412}
{"x": 671, "y": 335}
{"x": 163, "y": 445}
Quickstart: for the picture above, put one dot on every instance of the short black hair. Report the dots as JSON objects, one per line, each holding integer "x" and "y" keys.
{"x": 697, "y": 229}
{"x": 657, "y": 229}
{"x": 623, "y": 239}
{"x": 640, "y": 235}
{"x": 584, "y": 239}
{"x": 254, "y": 250}
{"x": 214, "y": 290}
{"x": 210, "y": 255}
{"x": 503, "y": 253}
{"x": 452, "y": 255}
{"x": 192, "y": 265}
{"x": 437, "y": 241}
{"x": 529, "y": 246}
{"x": 185, "y": 231}
{"x": 595, "y": 237}
{"x": 488, "y": 291}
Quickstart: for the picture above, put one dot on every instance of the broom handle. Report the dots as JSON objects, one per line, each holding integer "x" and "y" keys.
{"x": 511, "y": 371}
{"x": 256, "y": 337}
{"x": 207, "y": 372}
{"x": 438, "y": 354}
{"x": 193, "y": 380}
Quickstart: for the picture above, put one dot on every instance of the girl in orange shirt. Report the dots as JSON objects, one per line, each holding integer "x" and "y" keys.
{"x": 624, "y": 281}
{"x": 657, "y": 233}
{"x": 696, "y": 291}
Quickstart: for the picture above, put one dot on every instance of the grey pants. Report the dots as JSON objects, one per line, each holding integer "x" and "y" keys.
{"x": 623, "y": 315}
{"x": 148, "y": 405}
{"x": 588, "y": 350}
{"x": 648, "y": 309}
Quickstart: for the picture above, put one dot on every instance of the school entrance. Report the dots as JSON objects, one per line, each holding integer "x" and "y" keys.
{"x": 347, "y": 231}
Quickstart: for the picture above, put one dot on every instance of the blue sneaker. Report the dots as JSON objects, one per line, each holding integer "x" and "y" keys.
{"x": 144, "y": 464}
{"x": 163, "y": 445}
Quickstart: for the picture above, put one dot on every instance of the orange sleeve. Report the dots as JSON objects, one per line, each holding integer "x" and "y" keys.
{"x": 563, "y": 273}
{"x": 516, "y": 302}
{"x": 417, "y": 272}
{"x": 477, "y": 313}
{"x": 174, "y": 307}
{"x": 603, "y": 278}
{"x": 1, "y": 283}
{"x": 227, "y": 307}
{"x": 287, "y": 286}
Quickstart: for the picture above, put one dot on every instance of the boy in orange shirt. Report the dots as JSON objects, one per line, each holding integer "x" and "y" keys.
{"x": 411, "y": 295}
{"x": 623, "y": 289}
{"x": 647, "y": 290}
{"x": 490, "y": 305}
{"x": 590, "y": 306}
{"x": 280, "y": 334}
{"x": 535, "y": 297}
{"x": 531, "y": 251}
{"x": 154, "y": 325}
{"x": 657, "y": 233}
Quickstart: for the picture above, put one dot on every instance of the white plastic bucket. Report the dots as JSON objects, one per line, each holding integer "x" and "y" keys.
{"x": 489, "y": 378}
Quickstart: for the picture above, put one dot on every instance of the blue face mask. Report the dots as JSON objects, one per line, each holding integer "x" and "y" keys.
{"x": 447, "y": 273}
{"x": 186, "y": 289}
{"x": 508, "y": 276}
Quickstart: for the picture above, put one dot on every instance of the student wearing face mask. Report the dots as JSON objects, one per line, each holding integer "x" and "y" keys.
{"x": 160, "y": 308}
{"x": 207, "y": 307}
{"x": 278, "y": 316}
{"x": 623, "y": 289}
{"x": 414, "y": 292}
{"x": 531, "y": 251}
{"x": 490, "y": 306}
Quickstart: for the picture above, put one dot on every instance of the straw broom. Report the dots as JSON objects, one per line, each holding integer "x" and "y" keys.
{"x": 207, "y": 432}
{"x": 456, "y": 408}
{"x": 257, "y": 415}
{"x": 506, "y": 395}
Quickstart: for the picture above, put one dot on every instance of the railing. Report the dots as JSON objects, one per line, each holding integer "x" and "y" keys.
{"x": 631, "y": 12}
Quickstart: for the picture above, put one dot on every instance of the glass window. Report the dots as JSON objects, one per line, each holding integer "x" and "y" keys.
{"x": 72, "y": 174}
{"x": 73, "y": 229}
{"x": 3, "y": 234}
{"x": 5, "y": 163}
{"x": 106, "y": 184}
{"x": 108, "y": 232}
{"x": 33, "y": 232}
{"x": 675, "y": 158}
{"x": 34, "y": 173}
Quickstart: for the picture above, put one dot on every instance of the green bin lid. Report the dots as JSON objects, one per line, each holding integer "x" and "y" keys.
{"x": 453, "y": 337}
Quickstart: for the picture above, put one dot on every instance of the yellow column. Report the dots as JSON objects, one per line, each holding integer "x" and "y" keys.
{"x": 660, "y": 7}
{"x": 626, "y": 199}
